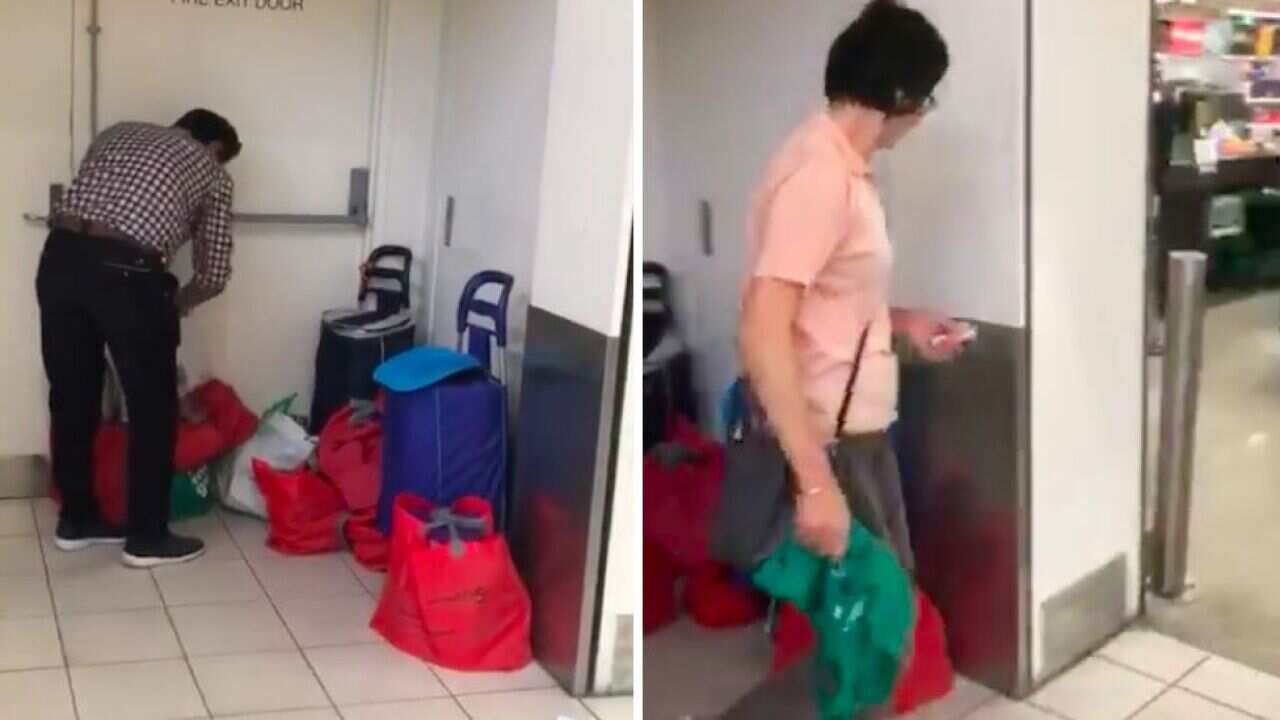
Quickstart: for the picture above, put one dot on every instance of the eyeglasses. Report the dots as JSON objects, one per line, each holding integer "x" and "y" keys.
{"x": 915, "y": 106}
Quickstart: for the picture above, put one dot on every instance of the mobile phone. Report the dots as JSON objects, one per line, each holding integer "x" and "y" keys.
{"x": 967, "y": 335}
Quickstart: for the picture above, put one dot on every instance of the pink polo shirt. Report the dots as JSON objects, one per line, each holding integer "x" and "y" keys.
{"x": 817, "y": 221}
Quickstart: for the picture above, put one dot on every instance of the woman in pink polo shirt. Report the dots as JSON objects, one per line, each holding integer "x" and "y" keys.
{"x": 818, "y": 282}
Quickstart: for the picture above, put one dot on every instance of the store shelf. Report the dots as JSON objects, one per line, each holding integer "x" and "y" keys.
{"x": 1258, "y": 14}
{"x": 1225, "y": 58}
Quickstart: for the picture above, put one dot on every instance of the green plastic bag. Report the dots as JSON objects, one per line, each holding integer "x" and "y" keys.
{"x": 191, "y": 495}
{"x": 862, "y": 610}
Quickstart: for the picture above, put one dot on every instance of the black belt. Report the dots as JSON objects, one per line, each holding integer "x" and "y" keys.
{"x": 108, "y": 251}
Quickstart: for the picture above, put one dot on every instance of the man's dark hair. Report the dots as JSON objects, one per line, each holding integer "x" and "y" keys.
{"x": 209, "y": 127}
{"x": 890, "y": 59}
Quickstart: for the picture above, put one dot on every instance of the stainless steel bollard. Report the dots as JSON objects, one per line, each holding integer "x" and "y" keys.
{"x": 1179, "y": 396}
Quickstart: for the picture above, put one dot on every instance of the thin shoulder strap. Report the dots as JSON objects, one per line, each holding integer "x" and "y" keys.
{"x": 853, "y": 380}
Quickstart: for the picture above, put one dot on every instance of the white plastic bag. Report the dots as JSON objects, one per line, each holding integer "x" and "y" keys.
{"x": 279, "y": 442}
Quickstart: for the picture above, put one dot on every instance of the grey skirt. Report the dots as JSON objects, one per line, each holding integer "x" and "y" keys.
{"x": 867, "y": 470}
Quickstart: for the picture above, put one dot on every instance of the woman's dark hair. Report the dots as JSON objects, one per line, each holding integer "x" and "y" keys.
{"x": 209, "y": 127}
{"x": 890, "y": 59}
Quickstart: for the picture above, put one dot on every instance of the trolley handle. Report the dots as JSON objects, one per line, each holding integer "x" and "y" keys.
{"x": 389, "y": 299}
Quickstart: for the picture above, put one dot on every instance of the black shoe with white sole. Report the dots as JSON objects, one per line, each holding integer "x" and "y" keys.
{"x": 168, "y": 550}
{"x": 70, "y": 536}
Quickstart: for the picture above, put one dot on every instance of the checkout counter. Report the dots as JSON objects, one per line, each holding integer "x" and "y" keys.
{"x": 1200, "y": 205}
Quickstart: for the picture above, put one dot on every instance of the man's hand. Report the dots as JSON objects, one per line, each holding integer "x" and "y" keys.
{"x": 192, "y": 295}
{"x": 823, "y": 521}
{"x": 933, "y": 337}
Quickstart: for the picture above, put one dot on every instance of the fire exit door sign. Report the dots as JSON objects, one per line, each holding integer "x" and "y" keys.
{"x": 286, "y": 5}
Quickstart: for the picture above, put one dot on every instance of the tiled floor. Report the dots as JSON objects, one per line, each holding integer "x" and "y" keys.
{"x": 1142, "y": 675}
{"x": 240, "y": 633}
{"x": 1234, "y": 536}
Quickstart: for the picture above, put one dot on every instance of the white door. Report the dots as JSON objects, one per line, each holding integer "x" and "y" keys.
{"x": 496, "y": 74}
{"x": 35, "y": 144}
{"x": 299, "y": 86}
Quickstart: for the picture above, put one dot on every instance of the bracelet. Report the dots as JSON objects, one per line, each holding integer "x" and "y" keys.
{"x": 810, "y": 492}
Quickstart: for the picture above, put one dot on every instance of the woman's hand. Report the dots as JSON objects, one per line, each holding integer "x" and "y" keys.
{"x": 933, "y": 337}
{"x": 823, "y": 521}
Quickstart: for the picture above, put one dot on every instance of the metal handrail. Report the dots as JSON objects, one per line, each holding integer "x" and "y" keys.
{"x": 357, "y": 208}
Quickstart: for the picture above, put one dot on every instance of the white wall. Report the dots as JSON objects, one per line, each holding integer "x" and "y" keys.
{"x": 368, "y": 99}
{"x": 584, "y": 242}
{"x": 496, "y": 59}
{"x": 35, "y": 62}
{"x": 1089, "y": 160}
{"x": 584, "y": 226}
{"x": 955, "y": 189}
{"x": 406, "y": 116}
{"x": 727, "y": 79}
{"x": 725, "y": 82}
{"x": 303, "y": 104}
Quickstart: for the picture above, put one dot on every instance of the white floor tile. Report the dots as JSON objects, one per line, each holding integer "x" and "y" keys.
{"x": 338, "y": 620}
{"x": 265, "y": 682}
{"x": 1237, "y": 686}
{"x": 46, "y": 511}
{"x": 29, "y": 644}
{"x": 160, "y": 690}
{"x": 218, "y": 545}
{"x": 16, "y": 518}
{"x": 127, "y": 636}
{"x": 230, "y": 629}
{"x": 20, "y": 556}
{"x": 417, "y": 710}
{"x": 619, "y": 708}
{"x": 204, "y": 582}
{"x": 286, "y": 715}
{"x": 1002, "y": 709}
{"x": 549, "y": 704}
{"x": 98, "y": 556}
{"x": 1098, "y": 690}
{"x": 36, "y": 695}
{"x": 1182, "y": 705}
{"x": 964, "y": 697}
{"x": 1157, "y": 655}
{"x": 250, "y": 533}
{"x": 372, "y": 581}
{"x": 361, "y": 674}
{"x": 104, "y": 588}
{"x": 532, "y": 677}
{"x": 25, "y": 596}
{"x": 315, "y": 576}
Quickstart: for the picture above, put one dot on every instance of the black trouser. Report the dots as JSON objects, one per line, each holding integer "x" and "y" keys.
{"x": 97, "y": 293}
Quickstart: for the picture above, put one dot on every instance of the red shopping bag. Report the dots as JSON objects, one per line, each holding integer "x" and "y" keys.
{"x": 717, "y": 599}
{"x": 453, "y": 597}
{"x": 794, "y": 639}
{"x": 660, "y": 575}
{"x": 349, "y": 452}
{"x": 110, "y": 475}
{"x": 304, "y": 511}
{"x": 680, "y": 499}
{"x": 368, "y": 545}
{"x": 230, "y": 425}
{"x": 928, "y": 675}
{"x": 196, "y": 446}
{"x": 234, "y": 422}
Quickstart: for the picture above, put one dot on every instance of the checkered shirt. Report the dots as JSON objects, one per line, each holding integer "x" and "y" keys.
{"x": 161, "y": 188}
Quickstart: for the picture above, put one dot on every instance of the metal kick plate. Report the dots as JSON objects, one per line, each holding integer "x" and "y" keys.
{"x": 1082, "y": 617}
{"x": 623, "y": 680}
{"x": 24, "y": 476}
